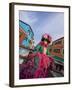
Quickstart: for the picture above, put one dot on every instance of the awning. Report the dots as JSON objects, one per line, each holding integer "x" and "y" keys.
{"x": 58, "y": 59}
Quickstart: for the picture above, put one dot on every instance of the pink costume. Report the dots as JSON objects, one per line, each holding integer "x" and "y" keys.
{"x": 38, "y": 64}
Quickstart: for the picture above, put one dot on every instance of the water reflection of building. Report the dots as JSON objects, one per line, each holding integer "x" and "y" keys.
{"x": 57, "y": 52}
{"x": 26, "y": 39}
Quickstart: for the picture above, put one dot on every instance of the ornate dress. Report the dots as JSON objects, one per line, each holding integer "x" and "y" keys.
{"x": 38, "y": 64}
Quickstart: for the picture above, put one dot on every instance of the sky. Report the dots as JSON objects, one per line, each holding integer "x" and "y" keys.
{"x": 44, "y": 22}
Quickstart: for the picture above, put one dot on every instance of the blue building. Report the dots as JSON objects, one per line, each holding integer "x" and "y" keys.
{"x": 26, "y": 40}
{"x": 28, "y": 36}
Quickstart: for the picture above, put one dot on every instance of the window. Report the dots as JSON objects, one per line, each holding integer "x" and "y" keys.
{"x": 20, "y": 34}
{"x": 56, "y": 50}
{"x": 62, "y": 51}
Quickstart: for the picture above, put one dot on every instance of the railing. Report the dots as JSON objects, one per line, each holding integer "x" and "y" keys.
{"x": 21, "y": 46}
{"x": 25, "y": 48}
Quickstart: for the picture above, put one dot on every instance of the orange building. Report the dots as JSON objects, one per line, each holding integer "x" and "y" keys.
{"x": 22, "y": 35}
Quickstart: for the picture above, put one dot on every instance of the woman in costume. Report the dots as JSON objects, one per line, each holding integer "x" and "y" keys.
{"x": 39, "y": 63}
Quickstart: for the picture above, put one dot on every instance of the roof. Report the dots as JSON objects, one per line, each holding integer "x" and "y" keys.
{"x": 58, "y": 39}
{"x": 25, "y": 26}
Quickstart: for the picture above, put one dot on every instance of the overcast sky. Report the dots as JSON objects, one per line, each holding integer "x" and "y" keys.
{"x": 44, "y": 22}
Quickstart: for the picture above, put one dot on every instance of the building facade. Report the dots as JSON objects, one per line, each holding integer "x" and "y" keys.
{"x": 26, "y": 40}
{"x": 57, "y": 52}
{"x": 26, "y": 35}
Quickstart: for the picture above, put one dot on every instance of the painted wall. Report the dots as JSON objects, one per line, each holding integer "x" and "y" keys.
{"x": 26, "y": 35}
{"x": 57, "y": 47}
